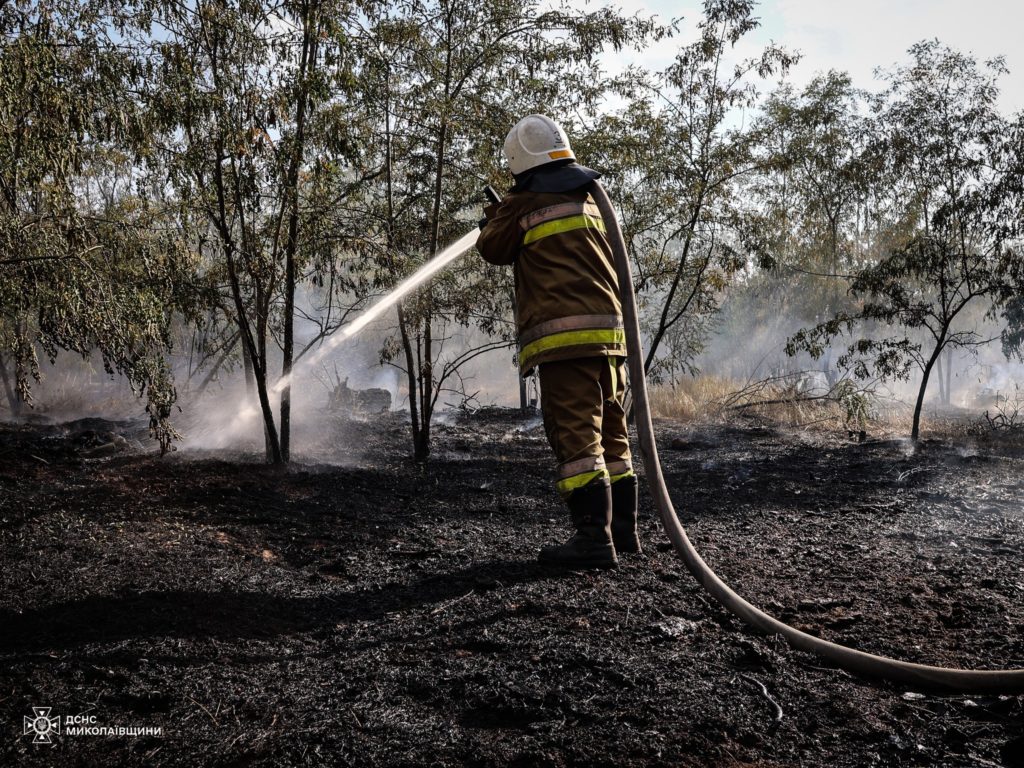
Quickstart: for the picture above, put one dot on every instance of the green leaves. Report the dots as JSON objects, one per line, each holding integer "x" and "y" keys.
{"x": 936, "y": 152}
{"x": 676, "y": 168}
{"x": 163, "y": 160}
{"x": 86, "y": 263}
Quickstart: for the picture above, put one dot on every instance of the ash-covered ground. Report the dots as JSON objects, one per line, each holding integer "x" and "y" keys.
{"x": 378, "y": 614}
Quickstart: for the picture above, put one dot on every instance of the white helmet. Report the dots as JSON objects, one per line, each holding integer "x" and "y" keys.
{"x": 536, "y": 140}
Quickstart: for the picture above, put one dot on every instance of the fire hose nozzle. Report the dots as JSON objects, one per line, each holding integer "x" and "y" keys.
{"x": 492, "y": 197}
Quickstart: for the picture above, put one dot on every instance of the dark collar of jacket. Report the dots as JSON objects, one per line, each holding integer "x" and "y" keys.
{"x": 559, "y": 176}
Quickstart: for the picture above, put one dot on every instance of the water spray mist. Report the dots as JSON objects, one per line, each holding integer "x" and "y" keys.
{"x": 416, "y": 279}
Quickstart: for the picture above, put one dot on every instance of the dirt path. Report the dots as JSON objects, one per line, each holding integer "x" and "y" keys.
{"x": 376, "y": 615}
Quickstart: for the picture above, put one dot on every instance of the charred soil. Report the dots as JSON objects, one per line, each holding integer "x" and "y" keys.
{"x": 380, "y": 614}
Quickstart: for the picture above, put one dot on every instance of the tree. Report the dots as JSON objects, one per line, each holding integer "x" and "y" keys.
{"x": 678, "y": 177}
{"x": 1010, "y": 194}
{"x": 817, "y": 213}
{"x": 251, "y": 101}
{"x": 938, "y": 127}
{"x": 815, "y": 183}
{"x": 78, "y": 271}
{"x": 443, "y": 81}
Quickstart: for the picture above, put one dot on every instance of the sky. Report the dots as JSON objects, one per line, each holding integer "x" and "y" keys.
{"x": 857, "y": 36}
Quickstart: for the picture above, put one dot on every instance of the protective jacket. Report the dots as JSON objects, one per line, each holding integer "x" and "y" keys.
{"x": 567, "y": 292}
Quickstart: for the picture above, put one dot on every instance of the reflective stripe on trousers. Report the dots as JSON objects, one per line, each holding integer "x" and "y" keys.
{"x": 582, "y": 402}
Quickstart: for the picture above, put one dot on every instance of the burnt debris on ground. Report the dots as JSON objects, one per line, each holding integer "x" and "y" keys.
{"x": 379, "y": 614}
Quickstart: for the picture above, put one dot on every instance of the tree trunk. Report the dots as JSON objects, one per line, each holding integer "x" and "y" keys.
{"x": 12, "y": 396}
{"x": 403, "y": 322}
{"x": 421, "y": 442}
{"x": 307, "y": 61}
{"x": 949, "y": 375}
{"x": 259, "y": 366}
{"x": 256, "y": 347}
{"x": 422, "y": 449}
{"x": 258, "y": 355}
{"x": 273, "y": 443}
{"x": 410, "y": 370}
{"x": 288, "y": 353}
{"x": 916, "y": 429}
{"x": 250, "y": 375}
{"x": 943, "y": 396}
{"x": 422, "y": 452}
{"x": 259, "y": 373}
{"x": 663, "y": 321}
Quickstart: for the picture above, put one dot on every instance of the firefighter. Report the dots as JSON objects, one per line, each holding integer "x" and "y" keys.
{"x": 570, "y": 328}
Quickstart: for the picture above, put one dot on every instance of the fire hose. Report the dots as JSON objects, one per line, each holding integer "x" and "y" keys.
{"x": 850, "y": 659}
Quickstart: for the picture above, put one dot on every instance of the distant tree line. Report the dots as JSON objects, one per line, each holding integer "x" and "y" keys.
{"x": 181, "y": 172}
{"x": 910, "y": 199}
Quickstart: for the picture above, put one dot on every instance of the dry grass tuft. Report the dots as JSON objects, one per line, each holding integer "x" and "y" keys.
{"x": 771, "y": 401}
{"x": 778, "y": 402}
{"x": 689, "y": 399}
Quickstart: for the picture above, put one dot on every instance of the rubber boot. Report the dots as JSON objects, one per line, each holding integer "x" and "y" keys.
{"x": 591, "y": 547}
{"x": 624, "y": 503}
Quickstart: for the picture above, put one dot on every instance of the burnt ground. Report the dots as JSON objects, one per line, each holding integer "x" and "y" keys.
{"x": 380, "y": 615}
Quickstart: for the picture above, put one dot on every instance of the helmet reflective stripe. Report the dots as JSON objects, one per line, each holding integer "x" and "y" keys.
{"x": 536, "y": 140}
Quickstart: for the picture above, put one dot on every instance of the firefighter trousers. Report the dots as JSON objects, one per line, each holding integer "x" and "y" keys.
{"x": 585, "y": 421}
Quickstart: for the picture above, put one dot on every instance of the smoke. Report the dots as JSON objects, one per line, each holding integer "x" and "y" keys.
{"x": 227, "y": 416}
{"x": 748, "y": 343}
{"x": 73, "y": 387}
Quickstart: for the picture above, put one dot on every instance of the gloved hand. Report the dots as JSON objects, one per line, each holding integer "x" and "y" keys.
{"x": 489, "y": 211}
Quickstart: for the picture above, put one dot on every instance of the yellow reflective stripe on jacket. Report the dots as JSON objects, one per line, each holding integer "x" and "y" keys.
{"x": 572, "y": 339}
{"x": 572, "y": 323}
{"x": 558, "y": 226}
{"x": 570, "y": 484}
{"x": 559, "y": 211}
